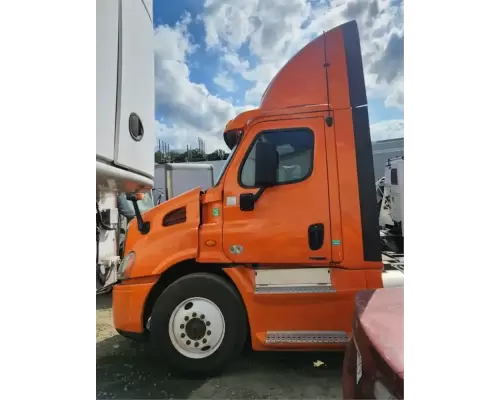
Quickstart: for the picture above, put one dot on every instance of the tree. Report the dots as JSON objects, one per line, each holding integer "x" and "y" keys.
{"x": 179, "y": 157}
{"x": 214, "y": 156}
{"x": 196, "y": 155}
{"x": 217, "y": 155}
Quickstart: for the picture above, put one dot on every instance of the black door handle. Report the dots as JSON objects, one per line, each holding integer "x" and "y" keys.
{"x": 316, "y": 233}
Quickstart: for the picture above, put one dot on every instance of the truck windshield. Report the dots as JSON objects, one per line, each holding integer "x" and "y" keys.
{"x": 224, "y": 167}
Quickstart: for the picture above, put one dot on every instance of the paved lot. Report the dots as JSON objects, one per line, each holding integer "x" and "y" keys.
{"x": 125, "y": 371}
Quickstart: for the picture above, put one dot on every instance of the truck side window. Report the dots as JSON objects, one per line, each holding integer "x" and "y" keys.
{"x": 295, "y": 149}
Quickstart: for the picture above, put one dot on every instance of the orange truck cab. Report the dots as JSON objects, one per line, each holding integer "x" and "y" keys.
{"x": 274, "y": 253}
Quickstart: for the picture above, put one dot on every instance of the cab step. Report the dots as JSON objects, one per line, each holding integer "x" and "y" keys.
{"x": 293, "y": 289}
{"x": 287, "y": 337}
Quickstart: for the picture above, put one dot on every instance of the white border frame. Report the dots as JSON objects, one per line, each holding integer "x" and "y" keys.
{"x": 47, "y": 86}
{"x": 452, "y": 219}
{"x": 452, "y": 222}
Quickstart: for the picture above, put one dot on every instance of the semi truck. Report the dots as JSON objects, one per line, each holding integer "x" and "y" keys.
{"x": 273, "y": 254}
{"x": 125, "y": 129}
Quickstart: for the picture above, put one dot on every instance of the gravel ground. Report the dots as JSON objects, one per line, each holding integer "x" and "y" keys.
{"x": 125, "y": 371}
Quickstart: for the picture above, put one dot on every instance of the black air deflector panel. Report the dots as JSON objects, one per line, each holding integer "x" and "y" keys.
{"x": 366, "y": 183}
{"x": 354, "y": 63}
{"x": 364, "y": 156}
{"x": 177, "y": 216}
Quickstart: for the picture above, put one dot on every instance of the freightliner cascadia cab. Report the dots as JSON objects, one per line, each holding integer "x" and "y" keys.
{"x": 275, "y": 251}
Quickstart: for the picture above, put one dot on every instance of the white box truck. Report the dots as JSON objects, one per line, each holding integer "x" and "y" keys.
{"x": 172, "y": 179}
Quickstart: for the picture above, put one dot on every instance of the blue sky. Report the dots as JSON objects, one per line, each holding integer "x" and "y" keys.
{"x": 214, "y": 58}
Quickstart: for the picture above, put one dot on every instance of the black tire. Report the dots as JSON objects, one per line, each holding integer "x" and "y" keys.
{"x": 225, "y": 296}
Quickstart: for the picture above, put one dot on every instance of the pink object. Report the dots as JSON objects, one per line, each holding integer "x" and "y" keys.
{"x": 374, "y": 359}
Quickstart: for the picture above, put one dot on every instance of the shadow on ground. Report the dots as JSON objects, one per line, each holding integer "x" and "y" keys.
{"x": 126, "y": 370}
{"x": 103, "y": 301}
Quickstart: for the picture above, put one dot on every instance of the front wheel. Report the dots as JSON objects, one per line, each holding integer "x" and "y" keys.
{"x": 199, "y": 323}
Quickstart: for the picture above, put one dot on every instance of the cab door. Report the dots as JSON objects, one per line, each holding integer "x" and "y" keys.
{"x": 290, "y": 223}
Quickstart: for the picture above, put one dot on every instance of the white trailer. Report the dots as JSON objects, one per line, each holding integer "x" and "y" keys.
{"x": 390, "y": 196}
{"x": 395, "y": 176}
{"x": 125, "y": 128}
{"x": 172, "y": 179}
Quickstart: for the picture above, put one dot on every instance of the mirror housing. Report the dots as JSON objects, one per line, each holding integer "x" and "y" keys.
{"x": 266, "y": 171}
{"x": 247, "y": 202}
{"x": 266, "y": 164}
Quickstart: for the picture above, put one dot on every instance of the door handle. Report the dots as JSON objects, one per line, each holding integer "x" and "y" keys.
{"x": 316, "y": 234}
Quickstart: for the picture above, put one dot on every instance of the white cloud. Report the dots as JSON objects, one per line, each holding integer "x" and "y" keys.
{"x": 223, "y": 80}
{"x": 178, "y": 136}
{"x": 389, "y": 129}
{"x": 276, "y": 30}
{"x": 272, "y": 32}
{"x": 190, "y": 109}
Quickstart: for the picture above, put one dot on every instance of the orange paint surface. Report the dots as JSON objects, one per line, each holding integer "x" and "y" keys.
{"x": 275, "y": 233}
{"x": 128, "y": 306}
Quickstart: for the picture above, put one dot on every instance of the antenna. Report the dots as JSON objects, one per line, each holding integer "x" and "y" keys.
{"x": 329, "y": 118}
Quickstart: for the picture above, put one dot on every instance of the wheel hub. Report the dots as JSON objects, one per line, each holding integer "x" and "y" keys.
{"x": 196, "y": 327}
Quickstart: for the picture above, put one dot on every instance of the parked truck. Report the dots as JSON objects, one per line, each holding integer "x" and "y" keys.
{"x": 125, "y": 130}
{"x": 275, "y": 251}
{"x": 173, "y": 179}
{"x": 390, "y": 200}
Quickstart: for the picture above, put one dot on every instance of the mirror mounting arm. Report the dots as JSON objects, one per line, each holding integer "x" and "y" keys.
{"x": 259, "y": 192}
{"x": 142, "y": 226}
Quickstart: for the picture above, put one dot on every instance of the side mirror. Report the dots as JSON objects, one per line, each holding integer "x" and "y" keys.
{"x": 266, "y": 171}
{"x": 247, "y": 202}
{"x": 266, "y": 164}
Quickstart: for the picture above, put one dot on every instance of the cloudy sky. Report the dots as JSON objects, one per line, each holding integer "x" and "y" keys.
{"x": 214, "y": 59}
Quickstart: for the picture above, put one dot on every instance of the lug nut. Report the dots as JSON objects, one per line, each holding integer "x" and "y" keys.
{"x": 186, "y": 318}
{"x": 204, "y": 341}
{"x": 188, "y": 342}
{"x": 207, "y": 323}
{"x": 182, "y": 326}
{"x": 196, "y": 344}
{"x": 194, "y": 314}
{"x": 209, "y": 333}
{"x": 183, "y": 335}
{"x": 202, "y": 316}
